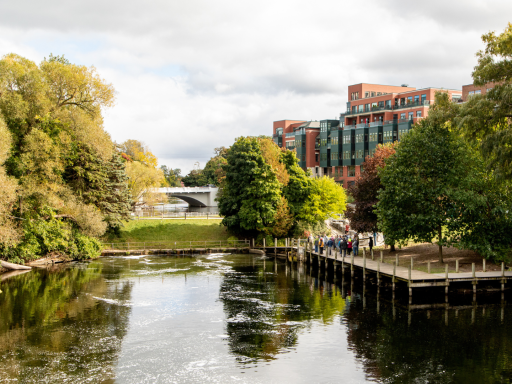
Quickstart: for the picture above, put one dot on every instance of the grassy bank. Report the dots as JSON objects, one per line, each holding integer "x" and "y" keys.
{"x": 170, "y": 230}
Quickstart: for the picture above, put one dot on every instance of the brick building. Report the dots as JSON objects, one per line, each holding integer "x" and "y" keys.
{"x": 375, "y": 114}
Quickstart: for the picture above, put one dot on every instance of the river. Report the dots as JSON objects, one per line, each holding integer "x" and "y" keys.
{"x": 235, "y": 319}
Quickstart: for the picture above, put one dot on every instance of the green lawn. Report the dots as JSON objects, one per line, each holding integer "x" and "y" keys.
{"x": 171, "y": 230}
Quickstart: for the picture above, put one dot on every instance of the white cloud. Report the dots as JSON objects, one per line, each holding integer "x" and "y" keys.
{"x": 194, "y": 75}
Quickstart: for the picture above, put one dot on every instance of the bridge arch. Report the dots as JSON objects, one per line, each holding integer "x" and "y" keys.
{"x": 190, "y": 200}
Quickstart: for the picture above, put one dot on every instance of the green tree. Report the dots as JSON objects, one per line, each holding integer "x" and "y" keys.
{"x": 195, "y": 178}
{"x": 172, "y": 176}
{"x": 428, "y": 185}
{"x": 299, "y": 186}
{"x": 251, "y": 191}
{"x": 326, "y": 199}
{"x": 485, "y": 120}
{"x": 212, "y": 169}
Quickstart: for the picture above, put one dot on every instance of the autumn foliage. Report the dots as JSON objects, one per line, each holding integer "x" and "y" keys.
{"x": 365, "y": 189}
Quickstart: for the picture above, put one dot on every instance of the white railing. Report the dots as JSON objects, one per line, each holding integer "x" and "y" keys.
{"x": 169, "y": 214}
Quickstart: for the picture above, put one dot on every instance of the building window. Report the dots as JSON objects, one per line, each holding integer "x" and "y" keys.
{"x": 478, "y": 91}
{"x": 359, "y": 138}
{"x": 366, "y": 107}
{"x": 367, "y": 94}
{"x": 303, "y": 157}
{"x": 418, "y": 113}
{"x": 346, "y": 139}
{"x": 402, "y": 116}
{"x": 351, "y": 171}
{"x": 340, "y": 171}
{"x": 373, "y": 137}
{"x": 373, "y": 94}
{"x": 359, "y": 154}
{"x": 388, "y": 104}
{"x": 417, "y": 99}
{"x": 423, "y": 97}
{"x": 316, "y": 157}
{"x": 354, "y": 96}
{"x": 409, "y": 99}
{"x": 471, "y": 93}
{"x": 411, "y": 115}
{"x": 381, "y": 104}
{"x": 489, "y": 89}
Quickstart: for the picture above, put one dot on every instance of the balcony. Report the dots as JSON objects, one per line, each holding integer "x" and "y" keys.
{"x": 376, "y": 124}
{"x": 413, "y": 104}
{"x": 290, "y": 134}
{"x": 362, "y": 125}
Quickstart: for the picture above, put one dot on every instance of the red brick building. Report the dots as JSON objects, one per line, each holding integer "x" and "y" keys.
{"x": 375, "y": 114}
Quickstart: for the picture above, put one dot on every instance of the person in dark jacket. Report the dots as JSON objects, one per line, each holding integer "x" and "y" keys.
{"x": 370, "y": 244}
{"x": 355, "y": 245}
{"x": 343, "y": 247}
{"x": 330, "y": 244}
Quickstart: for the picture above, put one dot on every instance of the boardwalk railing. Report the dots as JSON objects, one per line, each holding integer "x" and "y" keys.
{"x": 178, "y": 244}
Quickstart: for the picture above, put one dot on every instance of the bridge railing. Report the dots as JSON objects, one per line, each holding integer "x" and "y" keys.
{"x": 159, "y": 245}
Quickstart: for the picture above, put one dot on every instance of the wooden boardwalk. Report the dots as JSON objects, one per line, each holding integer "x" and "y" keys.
{"x": 405, "y": 274}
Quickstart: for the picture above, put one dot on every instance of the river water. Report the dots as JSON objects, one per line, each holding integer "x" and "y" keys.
{"x": 235, "y": 319}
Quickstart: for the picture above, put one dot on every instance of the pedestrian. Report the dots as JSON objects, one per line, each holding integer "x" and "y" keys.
{"x": 316, "y": 243}
{"x": 343, "y": 246}
{"x": 355, "y": 245}
{"x": 349, "y": 246}
{"x": 347, "y": 227}
{"x": 330, "y": 243}
{"x": 321, "y": 244}
{"x": 370, "y": 244}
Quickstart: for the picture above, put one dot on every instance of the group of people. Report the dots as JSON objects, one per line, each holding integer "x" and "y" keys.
{"x": 343, "y": 244}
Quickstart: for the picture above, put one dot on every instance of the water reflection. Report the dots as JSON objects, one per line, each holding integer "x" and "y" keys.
{"x": 53, "y": 327}
{"x": 265, "y": 310}
{"x": 231, "y": 318}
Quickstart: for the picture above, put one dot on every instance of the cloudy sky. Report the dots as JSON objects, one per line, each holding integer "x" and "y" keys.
{"x": 192, "y": 75}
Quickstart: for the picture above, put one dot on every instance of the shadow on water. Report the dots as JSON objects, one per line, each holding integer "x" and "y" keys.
{"x": 53, "y": 329}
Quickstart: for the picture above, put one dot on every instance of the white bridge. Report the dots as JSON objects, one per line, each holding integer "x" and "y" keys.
{"x": 194, "y": 196}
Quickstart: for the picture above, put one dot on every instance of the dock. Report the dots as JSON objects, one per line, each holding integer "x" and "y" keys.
{"x": 384, "y": 273}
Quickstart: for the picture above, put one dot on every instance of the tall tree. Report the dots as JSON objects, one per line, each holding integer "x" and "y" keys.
{"x": 427, "y": 186}
{"x": 251, "y": 190}
{"x": 486, "y": 119}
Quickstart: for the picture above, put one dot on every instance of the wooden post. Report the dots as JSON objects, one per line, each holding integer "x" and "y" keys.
{"x": 372, "y": 254}
{"x": 264, "y": 245}
{"x": 394, "y": 273}
{"x": 429, "y": 267}
{"x": 378, "y": 274}
{"x": 410, "y": 288}
{"x": 185, "y": 215}
{"x": 352, "y": 265}
{"x": 502, "y": 277}
{"x": 457, "y": 266}
{"x": 364, "y": 265}
{"x": 397, "y": 260}
{"x": 381, "y": 257}
{"x": 252, "y": 243}
{"x": 412, "y": 263}
{"x": 483, "y": 265}
{"x": 446, "y": 271}
{"x": 474, "y": 277}
{"x": 364, "y": 253}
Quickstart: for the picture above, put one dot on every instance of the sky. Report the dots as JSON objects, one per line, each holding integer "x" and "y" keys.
{"x": 194, "y": 75}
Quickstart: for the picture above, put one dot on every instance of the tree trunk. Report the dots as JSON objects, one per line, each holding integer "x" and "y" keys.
{"x": 392, "y": 249}
{"x": 439, "y": 237}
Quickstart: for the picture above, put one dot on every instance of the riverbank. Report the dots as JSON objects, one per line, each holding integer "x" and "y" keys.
{"x": 170, "y": 230}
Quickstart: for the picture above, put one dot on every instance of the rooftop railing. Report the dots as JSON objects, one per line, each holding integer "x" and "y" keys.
{"x": 413, "y": 104}
{"x": 376, "y": 109}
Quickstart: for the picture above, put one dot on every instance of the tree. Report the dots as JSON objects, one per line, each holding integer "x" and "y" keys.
{"x": 365, "y": 190}
{"x": 326, "y": 199}
{"x": 428, "y": 185}
{"x": 9, "y": 233}
{"x": 172, "y": 176}
{"x": 299, "y": 186}
{"x": 213, "y": 169}
{"x": 283, "y": 220}
{"x": 195, "y": 178}
{"x": 143, "y": 182}
{"x": 101, "y": 183}
{"x": 251, "y": 191}
{"x": 138, "y": 151}
{"x": 485, "y": 120}
{"x": 48, "y": 110}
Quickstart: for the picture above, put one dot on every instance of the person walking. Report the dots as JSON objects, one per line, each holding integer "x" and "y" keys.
{"x": 370, "y": 244}
{"x": 355, "y": 245}
{"x": 343, "y": 247}
{"x": 316, "y": 243}
{"x": 349, "y": 246}
{"x": 347, "y": 227}
{"x": 330, "y": 244}
{"x": 321, "y": 244}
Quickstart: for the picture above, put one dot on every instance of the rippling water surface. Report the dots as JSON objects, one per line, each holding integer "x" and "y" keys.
{"x": 235, "y": 319}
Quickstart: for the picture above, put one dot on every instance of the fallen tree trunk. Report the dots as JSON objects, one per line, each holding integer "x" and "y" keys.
{"x": 257, "y": 251}
{"x": 14, "y": 267}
